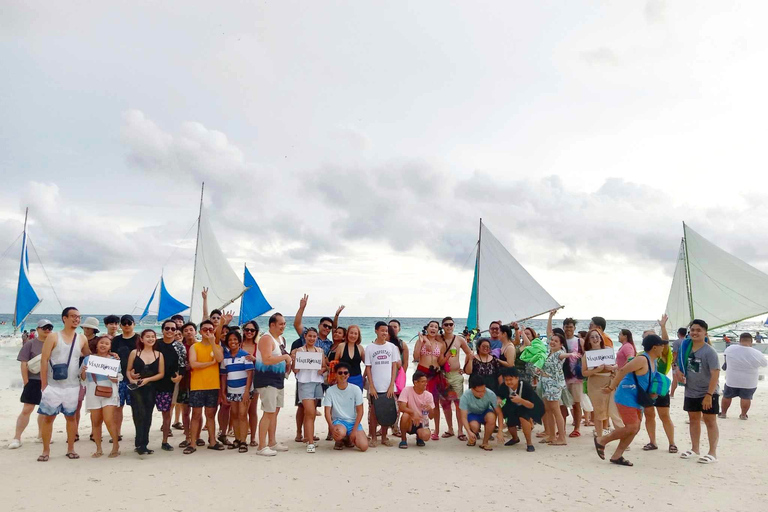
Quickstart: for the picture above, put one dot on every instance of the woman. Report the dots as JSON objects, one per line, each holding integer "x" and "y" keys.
{"x": 627, "y": 350}
{"x": 338, "y": 338}
{"x": 310, "y": 386}
{"x": 552, "y": 386}
{"x": 508, "y": 352}
{"x": 250, "y": 335}
{"x": 392, "y": 336}
{"x": 145, "y": 366}
{"x": 632, "y": 385}
{"x": 597, "y": 379}
{"x": 352, "y": 353}
{"x": 102, "y": 408}
{"x": 428, "y": 351}
{"x": 485, "y": 364}
{"x": 236, "y": 380}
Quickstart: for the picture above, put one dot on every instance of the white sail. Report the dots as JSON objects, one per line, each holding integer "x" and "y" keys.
{"x": 212, "y": 271}
{"x": 506, "y": 291}
{"x": 678, "y": 307}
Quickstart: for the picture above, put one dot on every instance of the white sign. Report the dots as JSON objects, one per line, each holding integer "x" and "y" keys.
{"x": 309, "y": 360}
{"x": 604, "y": 356}
{"x": 103, "y": 366}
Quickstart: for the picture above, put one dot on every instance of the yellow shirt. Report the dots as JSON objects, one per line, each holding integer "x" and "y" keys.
{"x": 205, "y": 378}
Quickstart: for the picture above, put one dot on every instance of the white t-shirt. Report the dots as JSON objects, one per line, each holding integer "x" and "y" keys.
{"x": 742, "y": 365}
{"x": 381, "y": 358}
{"x": 573, "y": 344}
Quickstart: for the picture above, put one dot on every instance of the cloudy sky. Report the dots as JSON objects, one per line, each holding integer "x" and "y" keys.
{"x": 350, "y": 147}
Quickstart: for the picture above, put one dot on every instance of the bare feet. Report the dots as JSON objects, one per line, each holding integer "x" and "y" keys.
{"x": 113, "y": 454}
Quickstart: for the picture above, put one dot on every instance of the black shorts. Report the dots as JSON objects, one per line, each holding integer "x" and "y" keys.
{"x": 415, "y": 429}
{"x": 694, "y": 405}
{"x": 743, "y": 393}
{"x": 31, "y": 393}
{"x": 204, "y": 398}
{"x": 662, "y": 401}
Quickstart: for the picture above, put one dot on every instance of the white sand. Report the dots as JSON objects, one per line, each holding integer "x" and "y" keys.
{"x": 445, "y": 475}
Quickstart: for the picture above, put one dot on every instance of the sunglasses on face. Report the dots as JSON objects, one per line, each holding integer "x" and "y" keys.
{"x": 46, "y": 328}
{"x": 326, "y": 326}
{"x": 169, "y": 329}
{"x": 342, "y": 373}
{"x": 494, "y": 329}
{"x": 127, "y": 323}
{"x": 248, "y": 329}
{"x": 448, "y": 325}
{"x": 206, "y": 329}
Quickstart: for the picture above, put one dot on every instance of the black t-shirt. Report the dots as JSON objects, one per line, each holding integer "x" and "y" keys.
{"x": 171, "y": 365}
{"x": 526, "y": 392}
{"x": 123, "y": 347}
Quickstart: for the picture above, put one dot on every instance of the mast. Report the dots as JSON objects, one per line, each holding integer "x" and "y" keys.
{"x": 240, "y": 316}
{"x": 477, "y": 275}
{"x": 21, "y": 267}
{"x": 687, "y": 273}
{"x": 197, "y": 243}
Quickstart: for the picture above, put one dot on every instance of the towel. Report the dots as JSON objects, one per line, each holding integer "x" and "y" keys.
{"x": 536, "y": 353}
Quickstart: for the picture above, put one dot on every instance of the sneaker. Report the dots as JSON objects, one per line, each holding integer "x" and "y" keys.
{"x": 167, "y": 447}
{"x": 530, "y": 448}
{"x": 14, "y": 444}
{"x": 266, "y": 452}
{"x": 279, "y": 447}
{"x": 310, "y": 448}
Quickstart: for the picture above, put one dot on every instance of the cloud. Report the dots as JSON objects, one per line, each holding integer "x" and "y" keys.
{"x": 602, "y": 56}
{"x": 654, "y": 11}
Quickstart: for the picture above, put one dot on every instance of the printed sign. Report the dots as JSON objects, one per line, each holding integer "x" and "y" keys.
{"x": 103, "y": 366}
{"x": 604, "y": 356}
{"x": 309, "y": 360}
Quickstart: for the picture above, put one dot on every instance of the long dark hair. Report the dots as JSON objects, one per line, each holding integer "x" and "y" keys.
{"x": 255, "y": 326}
{"x": 140, "y": 344}
{"x": 630, "y": 341}
{"x": 395, "y": 340}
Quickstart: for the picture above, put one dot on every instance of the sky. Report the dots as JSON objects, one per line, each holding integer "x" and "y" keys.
{"x": 349, "y": 148}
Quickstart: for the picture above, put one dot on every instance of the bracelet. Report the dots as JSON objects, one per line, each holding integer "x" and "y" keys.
{"x": 705, "y": 394}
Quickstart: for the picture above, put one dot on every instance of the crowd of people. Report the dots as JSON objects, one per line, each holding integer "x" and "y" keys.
{"x": 210, "y": 377}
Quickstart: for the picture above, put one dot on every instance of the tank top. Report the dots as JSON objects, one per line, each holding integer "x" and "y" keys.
{"x": 60, "y": 354}
{"x": 147, "y": 370}
{"x": 204, "y": 379}
{"x": 269, "y": 375}
{"x": 353, "y": 362}
{"x": 626, "y": 393}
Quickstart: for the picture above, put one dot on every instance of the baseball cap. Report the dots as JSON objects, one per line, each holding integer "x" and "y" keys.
{"x": 44, "y": 323}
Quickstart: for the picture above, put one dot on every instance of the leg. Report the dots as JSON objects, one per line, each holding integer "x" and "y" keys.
{"x": 195, "y": 424}
{"x": 373, "y": 423}
{"x": 359, "y": 439}
{"x": 210, "y": 417}
{"x": 695, "y": 430}
{"x": 628, "y": 433}
{"x": 549, "y": 419}
{"x": 185, "y": 421}
{"x": 234, "y": 418}
{"x": 243, "y": 417}
{"x": 150, "y": 404}
{"x": 490, "y": 422}
{"x": 577, "y": 416}
{"x": 253, "y": 418}
{"x": 299, "y": 421}
{"x": 71, "y": 432}
{"x": 137, "y": 412}
{"x": 96, "y": 420}
{"x": 339, "y": 432}
{"x": 560, "y": 424}
{"x": 713, "y": 433}
{"x": 177, "y": 408}
{"x": 673, "y": 388}
{"x": 726, "y": 405}
{"x": 527, "y": 427}
{"x": 23, "y": 420}
{"x": 650, "y": 423}
{"x": 224, "y": 413}
{"x": 745, "y": 405}
{"x": 309, "y": 420}
{"x": 166, "y": 425}
{"x": 437, "y": 416}
{"x": 666, "y": 422}
{"x": 46, "y": 431}
{"x": 109, "y": 412}
{"x": 272, "y": 433}
{"x": 119, "y": 420}
{"x": 405, "y": 426}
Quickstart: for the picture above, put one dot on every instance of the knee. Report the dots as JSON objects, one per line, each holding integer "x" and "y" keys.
{"x": 490, "y": 418}
{"x": 424, "y": 434}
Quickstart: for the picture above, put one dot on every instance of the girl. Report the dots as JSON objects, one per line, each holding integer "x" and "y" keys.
{"x": 145, "y": 366}
{"x": 236, "y": 379}
{"x": 352, "y": 353}
{"x": 250, "y": 337}
{"x": 102, "y": 408}
{"x": 552, "y": 385}
{"x": 310, "y": 386}
{"x": 597, "y": 379}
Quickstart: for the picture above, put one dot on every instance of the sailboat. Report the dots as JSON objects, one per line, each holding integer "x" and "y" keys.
{"x": 253, "y": 303}
{"x": 502, "y": 289}
{"x": 26, "y": 297}
{"x": 168, "y": 305}
{"x": 714, "y": 285}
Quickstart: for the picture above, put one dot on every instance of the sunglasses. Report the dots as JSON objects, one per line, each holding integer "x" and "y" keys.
{"x": 342, "y": 373}
{"x": 127, "y": 323}
{"x": 248, "y": 329}
{"x": 206, "y": 329}
{"x": 169, "y": 329}
{"x": 326, "y": 326}
{"x": 448, "y": 325}
{"x": 46, "y": 328}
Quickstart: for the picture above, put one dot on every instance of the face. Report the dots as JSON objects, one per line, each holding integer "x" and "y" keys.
{"x": 594, "y": 340}
{"x": 353, "y": 335}
{"x": 310, "y": 338}
{"x": 382, "y": 333}
{"x": 529, "y": 333}
{"x": 479, "y": 391}
{"x": 72, "y": 320}
{"x": 484, "y": 348}
{"x": 149, "y": 339}
{"x": 511, "y": 382}
{"x": 189, "y": 333}
{"x": 215, "y": 318}
{"x": 420, "y": 385}
{"x": 622, "y": 337}
{"x": 657, "y": 350}
{"x": 89, "y": 333}
{"x": 569, "y": 330}
{"x": 554, "y": 343}
{"x": 127, "y": 328}
{"x": 169, "y": 330}
{"x": 325, "y": 329}
{"x": 338, "y": 335}
{"x": 233, "y": 344}
{"x": 279, "y": 324}
{"x": 43, "y": 332}
{"x": 249, "y": 332}
{"x": 179, "y": 323}
{"x": 395, "y": 327}
{"x": 495, "y": 330}
{"x": 104, "y": 346}
{"x": 697, "y": 333}
{"x": 432, "y": 328}
{"x": 207, "y": 332}
{"x": 112, "y": 328}
{"x": 342, "y": 375}
{"x": 448, "y": 326}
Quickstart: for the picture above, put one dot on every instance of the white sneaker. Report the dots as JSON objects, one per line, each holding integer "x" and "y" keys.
{"x": 14, "y": 444}
{"x": 266, "y": 452}
{"x": 310, "y": 448}
{"x": 279, "y": 447}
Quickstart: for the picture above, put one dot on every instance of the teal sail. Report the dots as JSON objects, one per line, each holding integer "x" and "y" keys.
{"x": 169, "y": 306}
{"x": 146, "y": 309}
{"x": 26, "y": 297}
{"x": 472, "y": 315}
{"x": 253, "y": 302}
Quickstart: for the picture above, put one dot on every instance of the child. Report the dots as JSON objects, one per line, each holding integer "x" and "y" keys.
{"x": 236, "y": 377}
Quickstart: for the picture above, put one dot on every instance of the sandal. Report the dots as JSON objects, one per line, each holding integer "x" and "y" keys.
{"x": 462, "y": 437}
{"x": 575, "y": 433}
{"x": 545, "y": 441}
{"x": 403, "y": 445}
{"x": 253, "y": 443}
{"x": 200, "y": 442}
{"x": 223, "y": 440}
{"x": 688, "y": 454}
{"x": 234, "y": 445}
{"x": 621, "y": 461}
{"x": 184, "y": 444}
{"x": 178, "y": 426}
{"x": 707, "y": 459}
{"x": 672, "y": 448}
{"x": 471, "y": 443}
{"x": 243, "y": 448}
{"x": 43, "y": 458}
{"x": 486, "y": 447}
{"x": 189, "y": 449}
{"x": 434, "y": 437}
{"x": 329, "y": 437}
{"x": 649, "y": 447}
{"x": 298, "y": 439}
{"x": 338, "y": 445}
{"x": 72, "y": 456}
{"x": 218, "y": 447}
{"x": 446, "y": 435}
{"x": 112, "y": 455}
{"x": 387, "y": 442}
{"x": 600, "y": 449}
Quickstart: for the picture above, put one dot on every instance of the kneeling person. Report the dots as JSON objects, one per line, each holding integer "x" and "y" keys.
{"x": 520, "y": 405}
{"x": 479, "y": 407}
{"x": 417, "y": 407}
{"x": 344, "y": 411}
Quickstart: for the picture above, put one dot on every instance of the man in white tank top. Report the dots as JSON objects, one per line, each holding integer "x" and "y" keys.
{"x": 60, "y": 395}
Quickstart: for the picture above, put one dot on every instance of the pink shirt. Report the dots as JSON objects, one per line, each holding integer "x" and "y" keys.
{"x": 421, "y": 402}
{"x": 626, "y": 351}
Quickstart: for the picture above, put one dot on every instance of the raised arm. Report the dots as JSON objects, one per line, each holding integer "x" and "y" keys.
{"x": 663, "y": 324}
{"x": 549, "y": 323}
{"x": 204, "y": 293}
{"x": 297, "y": 321}
{"x": 336, "y": 317}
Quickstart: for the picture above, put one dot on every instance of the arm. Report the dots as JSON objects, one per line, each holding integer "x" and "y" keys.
{"x": 218, "y": 353}
{"x": 328, "y": 418}
{"x": 248, "y": 383}
{"x": 130, "y": 372}
{"x": 406, "y": 357}
{"x": 24, "y": 372}
{"x": 223, "y": 388}
{"x": 549, "y": 323}
{"x": 265, "y": 347}
{"x": 204, "y": 293}
{"x": 663, "y": 324}
{"x": 336, "y": 317}
{"x": 500, "y": 420}
{"x": 371, "y": 387}
{"x": 706, "y": 404}
{"x": 50, "y": 343}
{"x": 297, "y": 324}
{"x": 463, "y": 418}
{"x": 86, "y": 350}
{"x": 637, "y": 363}
{"x": 417, "y": 348}
{"x": 293, "y": 361}
{"x": 393, "y": 376}
{"x": 192, "y": 361}
{"x": 526, "y": 341}
{"x": 358, "y": 417}
{"x": 589, "y": 372}
{"x": 468, "y": 364}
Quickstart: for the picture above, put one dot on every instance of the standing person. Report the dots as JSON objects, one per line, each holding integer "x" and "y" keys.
{"x": 416, "y": 406}
{"x": 627, "y": 350}
{"x": 352, "y": 354}
{"x": 381, "y": 364}
{"x": 24, "y": 337}
{"x": 480, "y": 408}
{"x": 112, "y": 323}
{"x": 204, "y": 359}
{"x": 758, "y": 337}
{"x": 236, "y": 380}
{"x": 428, "y": 352}
{"x": 344, "y": 411}
{"x": 520, "y": 405}
{"x": 122, "y": 345}
{"x": 189, "y": 338}
{"x": 174, "y": 359}
{"x": 598, "y": 323}
{"x": 661, "y": 405}
{"x": 310, "y": 386}
{"x": 552, "y": 386}
{"x": 145, "y": 367}
{"x": 402, "y": 347}
{"x": 597, "y": 379}
{"x": 632, "y": 384}
{"x": 682, "y": 332}
{"x": 742, "y": 364}
{"x": 90, "y": 327}
{"x": 454, "y": 375}
{"x": 176, "y": 407}
{"x": 574, "y": 384}
{"x": 60, "y": 380}
{"x": 101, "y": 398}
{"x": 494, "y": 333}
{"x": 269, "y": 381}
{"x": 698, "y": 367}
{"x": 250, "y": 346}
{"x": 29, "y": 357}
{"x": 485, "y": 365}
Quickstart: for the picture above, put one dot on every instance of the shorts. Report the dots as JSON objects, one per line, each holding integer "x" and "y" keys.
{"x": 454, "y": 389}
{"x": 208, "y": 398}
{"x": 357, "y": 380}
{"x": 662, "y": 401}
{"x": 629, "y": 415}
{"x": 235, "y": 397}
{"x": 125, "y": 395}
{"x": 729, "y": 392}
{"x": 347, "y": 424}
{"x": 31, "y": 393}
{"x": 310, "y": 390}
{"x": 576, "y": 390}
{"x": 54, "y": 400}
{"x": 182, "y": 397}
{"x": 163, "y": 400}
{"x": 93, "y": 402}
{"x": 415, "y": 429}
{"x": 271, "y": 398}
{"x": 480, "y": 418}
{"x": 694, "y": 405}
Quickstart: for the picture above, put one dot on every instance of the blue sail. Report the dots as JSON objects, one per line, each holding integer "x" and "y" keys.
{"x": 146, "y": 309}
{"x": 253, "y": 302}
{"x": 168, "y": 305}
{"x": 26, "y": 298}
{"x": 472, "y": 315}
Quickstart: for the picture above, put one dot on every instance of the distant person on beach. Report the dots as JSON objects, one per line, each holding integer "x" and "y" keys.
{"x": 599, "y": 323}
{"x": 742, "y": 365}
{"x": 382, "y": 360}
{"x": 343, "y": 405}
{"x": 204, "y": 359}
{"x": 494, "y": 333}
{"x": 179, "y": 321}
{"x": 402, "y": 347}
{"x": 485, "y": 365}
{"x": 428, "y": 351}
{"x": 122, "y": 345}
{"x": 552, "y": 381}
{"x": 90, "y": 327}
{"x": 454, "y": 375}
{"x": 520, "y": 405}
{"x": 627, "y": 350}
{"x": 146, "y": 366}
{"x": 101, "y": 398}
{"x": 32, "y": 333}
{"x": 176, "y": 407}
{"x": 112, "y": 323}
{"x": 571, "y": 371}
{"x": 479, "y": 408}
{"x": 700, "y": 372}
{"x": 236, "y": 381}
{"x": 662, "y": 403}
{"x": 24, "y": 336}
{"x": 250, "y": 346}
{"x": 417, "y": 406}
{"x": 29, "y": 357}
{"x": 758, "y": 337}
{"x": 175, "y": 360}
{"x": 60, "y": 380}
{"x": 598, "y": 378}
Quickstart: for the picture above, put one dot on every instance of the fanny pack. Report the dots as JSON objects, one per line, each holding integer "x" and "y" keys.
{"x": 102, "y": 391}
{"x": 61, "y": 370}
{"x": 33, "y": 365}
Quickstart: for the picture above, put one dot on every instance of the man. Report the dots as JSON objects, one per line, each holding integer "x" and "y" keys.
{"x": 90, "y": 327}
{"x": 417, "y": 407}
{"x": 122, "y": 345}
{"x": 758, "y": 337}
{"x": 742, "y": 365}
{"x": 382, "y": 360}
{"x": 520, "y": 406}
{"x": 494, "y": 332}
{"x": 204, "y": 359}
{"x": 112, "y": 322}
{"x": 60, "y": 380}
{"x": 682, "y": 332}
{"x": 700, "y": 372}
{"x": 189, "y": 332}
{"x": 454, "y": 377}
{"x": 175, "y": 358}
{"x": 598, "y": 323}
{"x": 661, "y": 406}
{"x": 573, "y": 380}
{"x": 480, "y": 407}
{"x": 30, "y": 395}
{"x": 344, "y": 411}
{"x": 24, "y": 336}
{"x": 33, "y": 333}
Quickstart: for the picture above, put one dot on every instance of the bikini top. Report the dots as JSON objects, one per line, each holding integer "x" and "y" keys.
{"x": 435, "y": 350}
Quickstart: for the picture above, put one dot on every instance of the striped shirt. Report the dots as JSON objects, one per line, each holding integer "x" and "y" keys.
{"x": 236, "y": 368}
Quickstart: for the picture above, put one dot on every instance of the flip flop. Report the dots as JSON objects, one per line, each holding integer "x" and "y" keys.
{"x": 218, "y": 447}
{"x": 299, "y": 439}
{"x": 434, "y": 437}
{"x": 621, "y": 461}
{"x": 486, "y": 448}
{"x": 178, "y": 426}
{"x": 200, "y": 442}
{"x": 744, "y": 417}
{"x": 243, "y": 448}
{"x": 649, "y": 447}
{"x": 43, "y": 458}
{"x": 112, "y": 455}
{"x": 707, "y": 459}
{"x": 471, "y": 443}
{"x": 386, "y": 442}
{"x": 545, "y": 441}
{"x": 184, "y": 444}
{"x": 512, "y": 442}
{"x": 72, "y": 456}
{"x": 575, "y": 433}
{"x": 462, "y": 437}
{"x": 446, "y": 435}
{"x": 253, "y": 444}
{"x": 600, "y": 449}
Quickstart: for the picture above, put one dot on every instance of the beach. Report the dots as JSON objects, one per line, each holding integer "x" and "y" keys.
{"x": 445, "y": 475}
